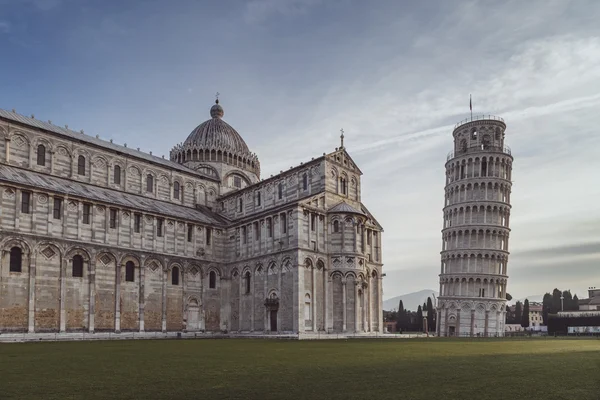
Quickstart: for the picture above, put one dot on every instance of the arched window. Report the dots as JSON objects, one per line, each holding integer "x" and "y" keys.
{"x": 307, "y": 308}
{"x": 149, "y": 183}
{"x": 77, "y": 270}
{"x": 175, "y": 276}
{"x": 247, "y": 281}
{"x": 16, "y": 259}
{"x": 212, "y": 280}
{"x": 81, "y": 165}
{"x": 343, "y": 186}
{"x": 176, "y": 188}
{"x": 336, "y": 226}
{"x": 117, "y": 175}
{"x": 129, "y": 271}
{"x": 304, "y": 182}
{"x": 41, "y": 155}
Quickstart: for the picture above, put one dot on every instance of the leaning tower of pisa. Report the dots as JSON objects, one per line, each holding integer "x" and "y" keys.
{"x": 474, "y": 252}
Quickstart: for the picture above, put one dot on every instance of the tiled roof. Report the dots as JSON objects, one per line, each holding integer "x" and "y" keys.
{"x": 96, "y": 141}
{"x": 344, "y": 207}
{"x": 82, "y": 190}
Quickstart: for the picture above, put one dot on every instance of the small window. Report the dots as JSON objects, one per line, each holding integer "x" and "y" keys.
{"x": 175, "y": 276}
{"x": 77, "y": 270}
{"x": 81, "y": 165}
{"x": 269, "y": 227}
{"x": 41, "y": 155}
{"x": 283, "y": 223}
{"x": 336, "y": 226}
{"x": 305, "y": 182}
{"x": 176, "y": 190}
{"x": 307, "y": 308}
{"x": 190, "y": 233}
{"x": 113, "y": 218}
{"x": 159, "y": 227}
{"x": 137, "y": 222}
{"x": 117, "y": 175}
{"x": 87, "y": 211}
{"x": 212, "y": 280}
{"x": 258, "y": 199}
{"x": 237, "y": 182}
{"x": 129, "y": 272}
{"x": 149, "y": 183}
{"x": 280, "y": 190}
{"x": 248, "y": 282}
{"x": 25, "y": 202}
{"x": 343, "y": 186}
{"x": 244, "y": 235}
{"x": 57, "y": 208}
{"x": 240, "y": 204}
{"x": 16, "y": 259}
{"x": 208, "y": 236}
{"x": 313, "y": 222}
{"x": 368, "y": 237}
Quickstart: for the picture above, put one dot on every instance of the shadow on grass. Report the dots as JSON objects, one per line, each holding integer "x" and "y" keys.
{"x": 246, "y": 369}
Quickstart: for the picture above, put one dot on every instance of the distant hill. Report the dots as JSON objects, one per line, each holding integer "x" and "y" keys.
{"x": 411, "y": 301}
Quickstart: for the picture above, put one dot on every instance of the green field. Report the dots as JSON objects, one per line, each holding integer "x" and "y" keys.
{"x": 335, "y": 369}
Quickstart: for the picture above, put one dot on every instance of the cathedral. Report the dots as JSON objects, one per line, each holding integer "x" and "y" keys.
{"x": 97, "y": 237}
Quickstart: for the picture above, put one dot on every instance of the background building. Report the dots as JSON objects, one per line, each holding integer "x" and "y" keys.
{"x": 475, "y": 232}
{"x": 100, "y": 237}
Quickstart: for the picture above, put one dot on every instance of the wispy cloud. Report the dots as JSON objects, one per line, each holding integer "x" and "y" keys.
{"x": 258, "y": 11}
{"x": 4, "y": 27}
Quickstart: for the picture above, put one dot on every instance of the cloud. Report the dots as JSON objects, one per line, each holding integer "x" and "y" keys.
{"x": 258, "y": 11}
{"x": 4, "y": 27}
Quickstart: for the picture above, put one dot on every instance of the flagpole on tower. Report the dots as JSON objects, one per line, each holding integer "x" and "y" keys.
{"x": 471, "y": 107}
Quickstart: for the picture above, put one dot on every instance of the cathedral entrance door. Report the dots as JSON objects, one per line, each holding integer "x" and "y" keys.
{"x": 193, "y": 312}
{"x": 451, "y": 331}
{"x": 273, "y": 317}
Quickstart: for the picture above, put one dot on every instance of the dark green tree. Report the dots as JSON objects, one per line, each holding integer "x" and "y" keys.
{"x": 508, "y": 315}
{"x": 525, "y": 317}
{"x": 518, "y": 312}
{"x": 575, "y": 303}
{"x": 546, "y": 307}
{"x": 567, "y": 300}
{"x": 430, "y": 315}
{"x": 419, "y": 321}
{"x": 400, "y": 317}
{"x": 555, "y": 301}
{"x": 508, "y": 297}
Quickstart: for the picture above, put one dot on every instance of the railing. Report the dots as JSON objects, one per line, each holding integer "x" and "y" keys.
{"x": 479, "y": 149}
{"x": 479, "y": 118}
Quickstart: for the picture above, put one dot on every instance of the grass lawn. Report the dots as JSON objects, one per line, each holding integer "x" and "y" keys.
{"x": 268, "y": 369}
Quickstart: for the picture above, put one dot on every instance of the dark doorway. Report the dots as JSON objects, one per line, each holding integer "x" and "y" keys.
{"x": 451, "y": 331}
{"x": 273, "y": 320}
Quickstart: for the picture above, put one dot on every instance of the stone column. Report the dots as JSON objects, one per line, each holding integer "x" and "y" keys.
{"x": 472, "y": 322}
{"x": 446, "y": 329}
{"x": 164, "y": 301}
{"x": 344, "y": 304}
{"x": 118, "y": 298}
{"x": 458, "y": 322}
{"x": 142, "y": 296}
{"x": 252, "y": 305}
{"x": 380, "y": 303}
{"x": 63, "y": 293}
{"x": 487, "y": 317}
{"x": 314, "y": 297}
{"x": 326, "y": 292}
{"x": 365, "y": 310}
{"x": 31, "y": 303}
{"x": 370, "y": 303}
{"x": 7, "y": 150}
{"x": 266, "y": 316}
{"x": 241, "y": 292}
{"x": 356, "y": 306}
{"x": 92, "y": 296}
{"x": 438, "y": 321}
{"x": 280, "y": 270}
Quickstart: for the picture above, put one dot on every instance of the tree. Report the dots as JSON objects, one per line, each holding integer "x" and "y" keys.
{"x": 400, "y": 317}
{"x": 555, "y": 301}
{"x": 568, "y": 300}
{"x": 546, "y": 307}
{"x": 419, "y": 322}
{"x": 518, "y": 312}
{"x": 508, "y": 297}
{"x": 575, "y": 303}
{"x": 525, "y": 317}
{"x": 508, "y": 315}
{"x": 430, "y": 315}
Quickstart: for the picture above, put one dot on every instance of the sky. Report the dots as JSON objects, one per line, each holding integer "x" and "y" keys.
{"x": 395, "y": 75}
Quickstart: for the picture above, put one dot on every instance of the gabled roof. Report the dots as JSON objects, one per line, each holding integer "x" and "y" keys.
{"x": 331, "y": 158}
{"x": 344, "y": 207}
{"x": 64, "y": 186}
{"x": 371, "y": 217}
{"x": 70, "y": 134}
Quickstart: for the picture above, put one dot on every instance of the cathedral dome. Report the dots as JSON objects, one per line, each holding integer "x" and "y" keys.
{"x": 217, "y": 134}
